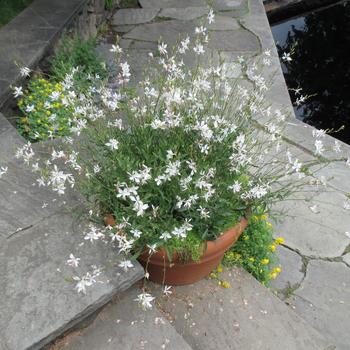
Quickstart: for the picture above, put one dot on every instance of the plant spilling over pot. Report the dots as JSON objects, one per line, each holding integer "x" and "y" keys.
{"x": 175, "y": 162}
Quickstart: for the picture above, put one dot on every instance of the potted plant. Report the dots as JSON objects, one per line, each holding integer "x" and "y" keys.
{"x": 176, "y": 164}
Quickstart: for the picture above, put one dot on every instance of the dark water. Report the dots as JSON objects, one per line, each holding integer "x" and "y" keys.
{"x": 320, "y": 42}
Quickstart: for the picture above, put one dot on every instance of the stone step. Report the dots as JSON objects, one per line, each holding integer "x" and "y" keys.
{"x": 124, "y": 325}
{"x": 204, "y": 315}
{"x": 38, "y": 232}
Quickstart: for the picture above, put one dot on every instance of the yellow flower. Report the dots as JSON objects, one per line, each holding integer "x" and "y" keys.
{"x": 246, "y": 237}
{"x": 251, "y": 259}
{"x": 219, "y": 269}
{"x": 263, "y": 217}
{"x": 277, "y": 270}
{"x": 219, "y": 283}
{"x": 272, "y": 247}
{"x": 255, "y": 218}
{"x": 268, "y": 224}
{"x": 226, "y": 284}
{"x": 213, "y": 275}
{"x": 265, "y": 261}
{"x": 279, "y": 240}
{"x": 273, "y": 275}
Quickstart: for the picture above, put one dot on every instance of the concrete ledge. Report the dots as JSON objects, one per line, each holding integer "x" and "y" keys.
{"x": 29, "y": 35}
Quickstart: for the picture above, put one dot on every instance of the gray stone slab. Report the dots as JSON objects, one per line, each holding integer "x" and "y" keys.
{"x": 134, "y": 16}
{"x": 316, "y": 227}
{"x": 168, "y": 31}
{"x": 38, "y": 300}
{"x": 245, "y": 316}
{"x": 226, "y": 5}
{"x": 241, "y": 41}
{"x": 337, "y": 175}
{"x": 291, "y": 265}
{"x": 124, "y": 325}
{"x": 184, "y": 14}
{"x": 223, "y": 23}
{"x": 172, "y": 3}
{"x": 323, "y": 300}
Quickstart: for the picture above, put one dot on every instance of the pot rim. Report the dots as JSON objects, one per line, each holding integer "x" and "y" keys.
{"x": 212, "y": 249}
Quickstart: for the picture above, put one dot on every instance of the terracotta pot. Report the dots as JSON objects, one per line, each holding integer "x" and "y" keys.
{"x": 162, "y": 271}
{"x": 177, "y": 273}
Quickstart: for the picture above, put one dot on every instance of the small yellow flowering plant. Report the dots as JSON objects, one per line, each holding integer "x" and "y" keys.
{"x": 45, "y": 113}
{"x": 256, "y": 250}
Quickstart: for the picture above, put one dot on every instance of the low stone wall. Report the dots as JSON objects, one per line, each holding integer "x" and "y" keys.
{"x": 30, "y": 36}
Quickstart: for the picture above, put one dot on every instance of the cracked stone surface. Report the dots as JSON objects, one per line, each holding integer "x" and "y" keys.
{"x": 248, "y": 312}
{"x": 323, "y": 300}
{"x": 124, "y": 325}
{"x": 346, "y": 258}
{"x": 38, "y": 300}
{"x": 133, "y": 16}
{"x": 292, "y": 265}
{"x": 317, "y": 233}
{"x": 224, "y": 23}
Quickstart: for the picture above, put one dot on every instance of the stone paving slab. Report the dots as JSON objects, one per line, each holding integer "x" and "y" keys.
{"x": 172, "y": 3}
{"x": 124, "y": 325}
{"x": 134, "y": 16}
{"x": 245, "y": 316}
{"x": 38, "y": 301}
{"x": 323, "y": 300}
{"x": 184, "y": 14}
{"x": 317, "y": 227}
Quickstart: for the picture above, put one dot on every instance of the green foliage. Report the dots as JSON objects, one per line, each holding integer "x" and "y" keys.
{"x": 11, "y": 8}
{"x": 109, "y": 5}
{"x": 72, "y": 53}
{"x": 44, "y": 113}
{"x": 255, "y": 250}
{"x": 42, "y": 118}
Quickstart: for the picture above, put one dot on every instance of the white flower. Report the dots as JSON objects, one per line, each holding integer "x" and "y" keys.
{"x": 125, "y": 69}
{"x": 18, "y": 91}
{"x": 319, "y": 147}
{"x": 55, "y": 95}
{"x": 139, "y": 207}
{"x": 162, "y": 48}
{"x": 204, "y": 213}
{"x": 3, "y": 170}
{"x": 30, "y": 108}
{"x": 126, "y": 264}
{"x": 73, "y": 261}
{"x": 346, "y": 205}
{"x": 116, "y": 48}
{"x": 97, "y": 168}
{"x": 348, "y": 161}
{"x": 141, "y": 177}
{"x": 236, "y": 187}
{"x": 94, "y": 234}
{"x": 112, "y": 144}
{"x": 211, "y": 16}
{"x": 24, "y": 71}
{"x": 199, "y": 49}
{"x": 136, "y": 233}
{"x": 286, "y": 57}
{"x": 125, "y": 191}
{"x": 165, "y": 236}
{"x": 167, "y": 290}
{"x": 145, "y": 300}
